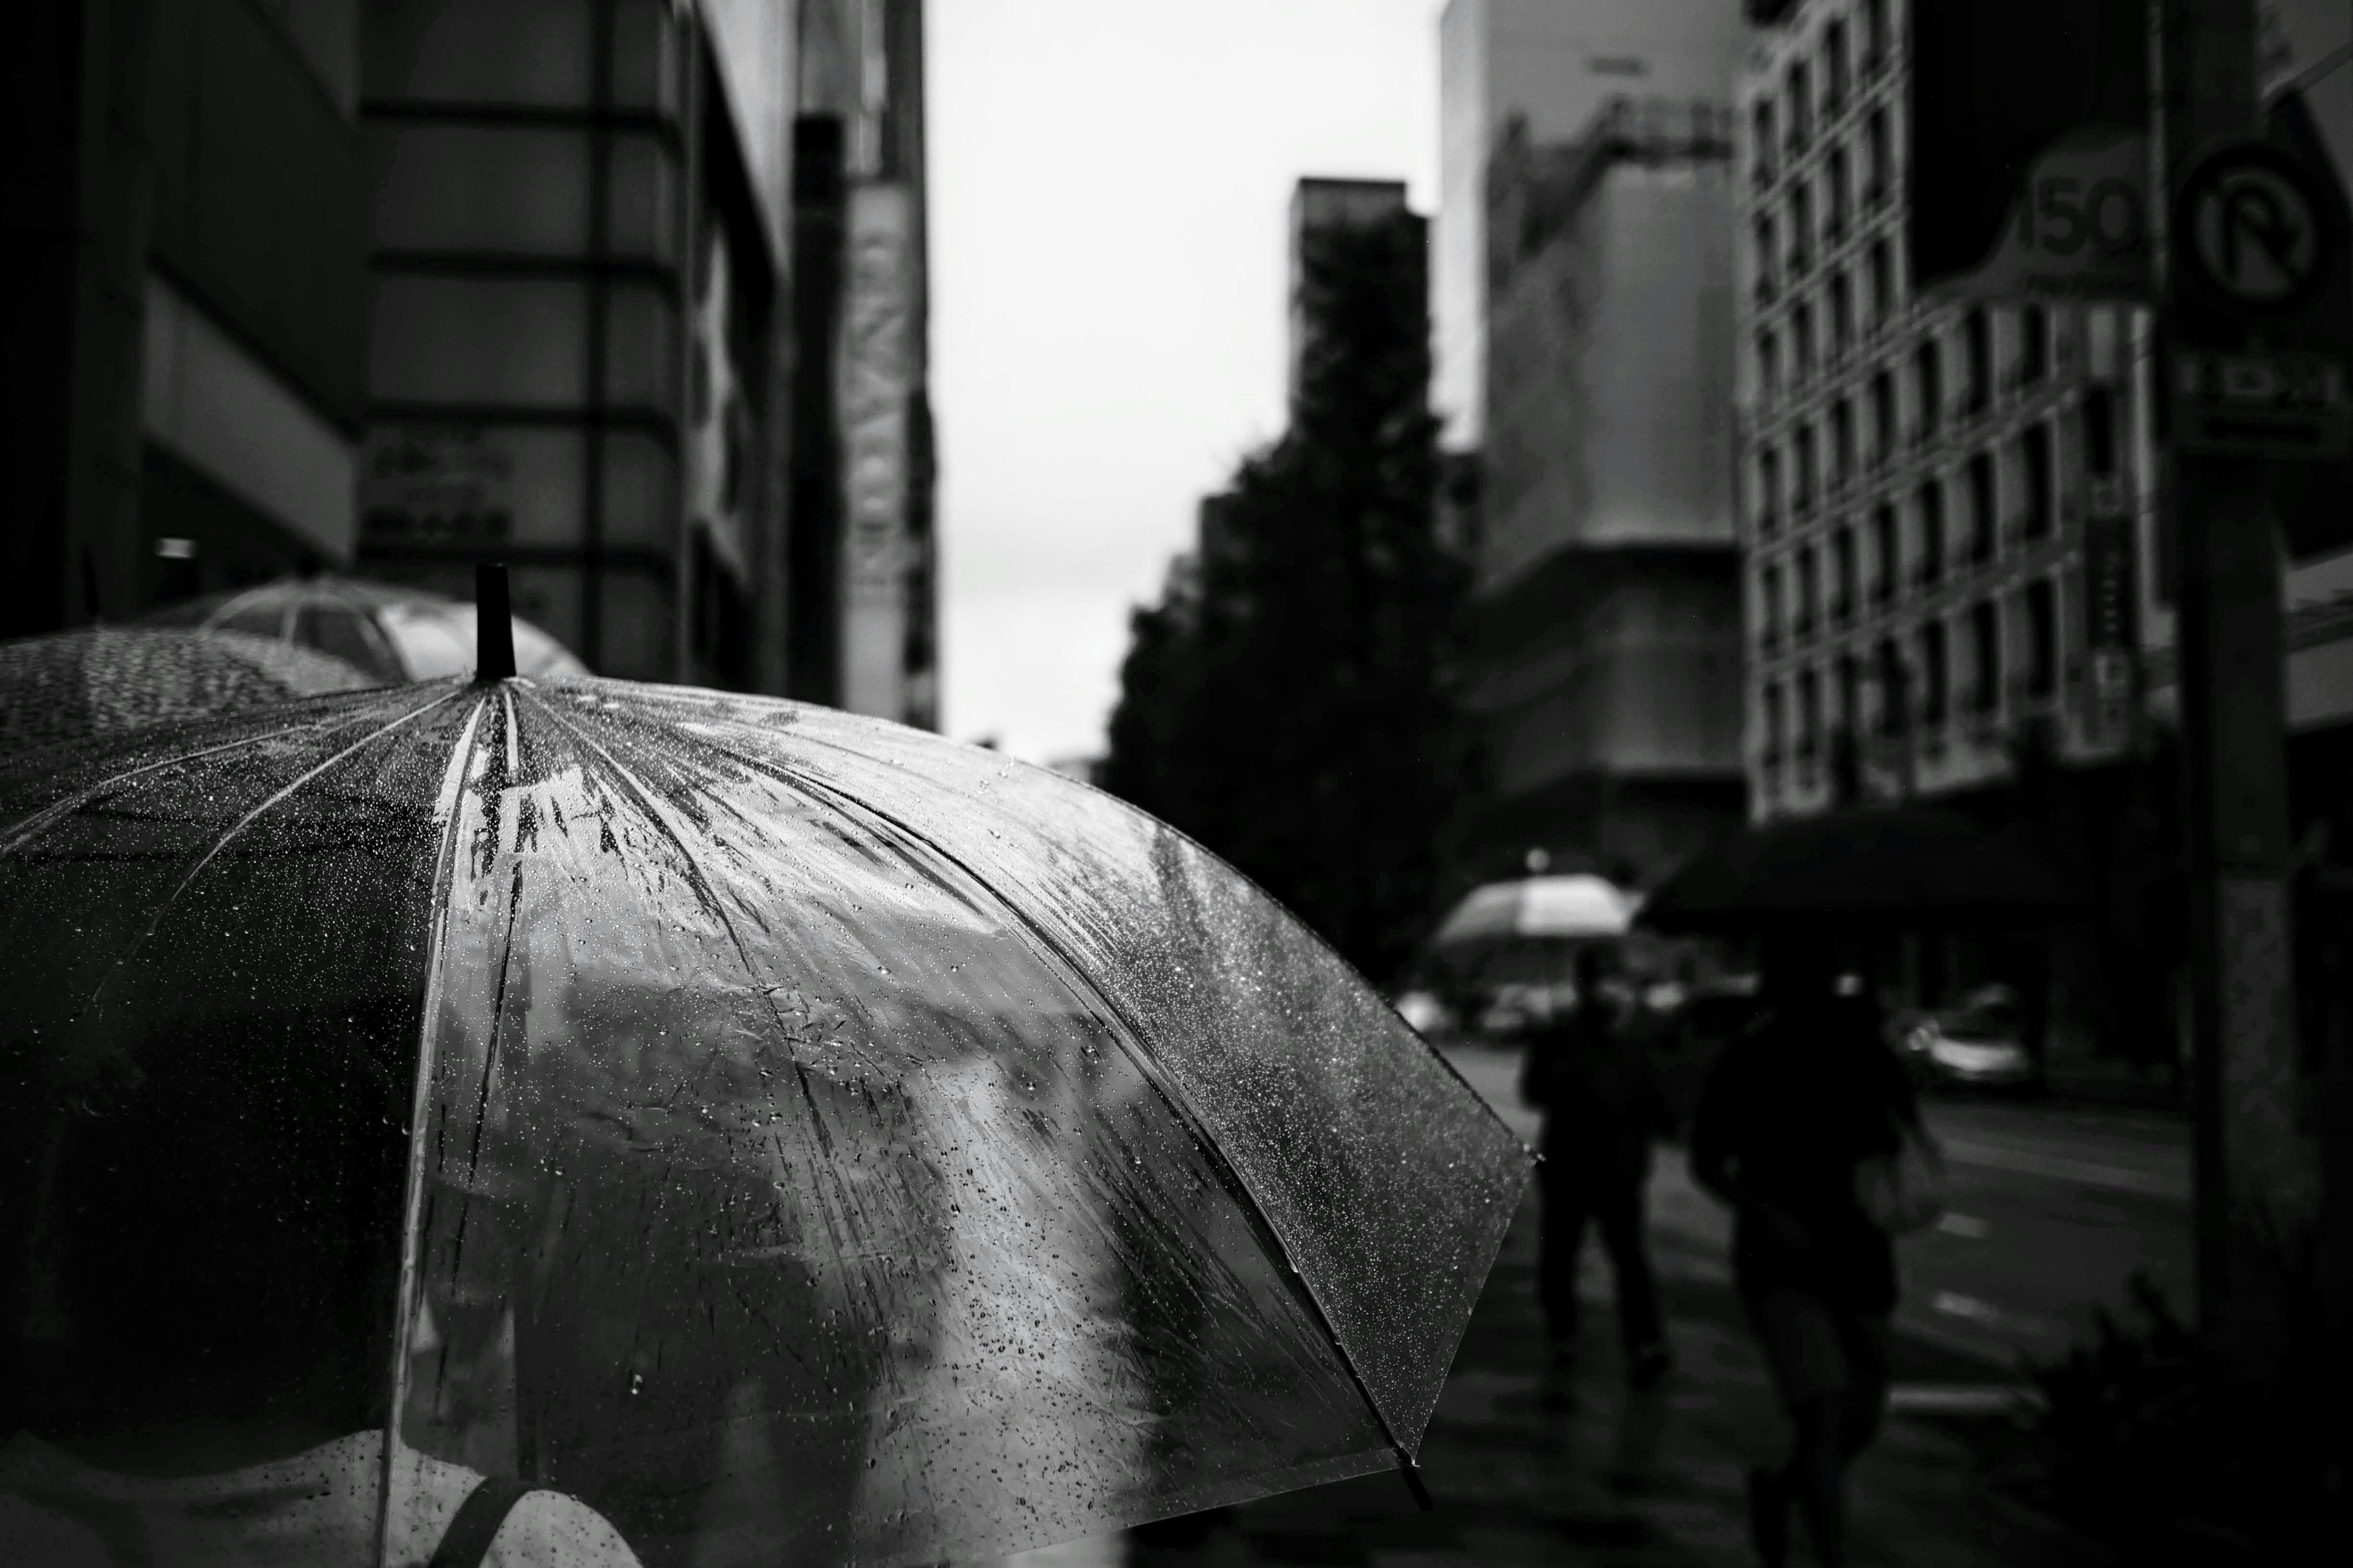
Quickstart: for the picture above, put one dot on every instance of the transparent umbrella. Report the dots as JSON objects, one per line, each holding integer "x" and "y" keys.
{"x": 789, "y": 1136}
{"x": 395, "y": 633}
{"x": 104, "y": 680}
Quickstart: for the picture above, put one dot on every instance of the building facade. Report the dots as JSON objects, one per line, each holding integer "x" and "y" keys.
{"x": 399, "y": 286}
{"x": 1552, "y": 63}
{"x": 1604, "y": 643}
{"x": 185, "y": 343}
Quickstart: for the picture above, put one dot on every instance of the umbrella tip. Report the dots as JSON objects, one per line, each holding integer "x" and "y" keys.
{"x": 494, "y": 658}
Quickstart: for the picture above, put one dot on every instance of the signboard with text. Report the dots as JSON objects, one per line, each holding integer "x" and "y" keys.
{"x": 2291, "y": 406}
{"x": 2041, "y": 188}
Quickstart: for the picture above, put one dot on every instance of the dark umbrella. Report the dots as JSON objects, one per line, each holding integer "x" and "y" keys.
{"x": 102, "y": 681}
{"x": 1859, "y": 866}
{"x": 395, "y": 633}
{"x": 797, "y": 1137}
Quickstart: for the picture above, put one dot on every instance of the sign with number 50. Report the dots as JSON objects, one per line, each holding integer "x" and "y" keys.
{"x": 2040, "y": 189}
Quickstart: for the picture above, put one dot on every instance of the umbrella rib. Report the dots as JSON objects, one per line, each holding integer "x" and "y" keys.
{"x": 1179, "y": 1102}
{"x": 446, "y": 803}
{"x": 239, "y": 827}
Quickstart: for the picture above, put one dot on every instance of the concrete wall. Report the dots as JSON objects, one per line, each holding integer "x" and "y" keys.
{"x": 1612, "y": 382}
{"x": 1556, "y": 63}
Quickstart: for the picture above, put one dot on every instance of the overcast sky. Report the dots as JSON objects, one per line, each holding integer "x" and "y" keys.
{"x": 1109, "y": 183}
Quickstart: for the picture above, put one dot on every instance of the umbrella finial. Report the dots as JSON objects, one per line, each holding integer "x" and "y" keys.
{"x": 493, "y": 623}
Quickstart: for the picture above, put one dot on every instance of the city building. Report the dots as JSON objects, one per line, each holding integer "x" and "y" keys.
{"x": 862, "y": 622}
{"x": 402, "y": 285}
{"x": 1958, "y": 562}
{"x": 1320, "y": 204}
{"x": 1552, "y": 63}
{"x": 186, "y": 344}
{"x": 1604, "y": 645}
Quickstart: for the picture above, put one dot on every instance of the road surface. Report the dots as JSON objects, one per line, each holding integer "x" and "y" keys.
{"x": 2053, "y": 1210}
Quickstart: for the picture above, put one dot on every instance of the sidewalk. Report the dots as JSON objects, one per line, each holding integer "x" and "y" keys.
{"x": 1617, "y": 1478}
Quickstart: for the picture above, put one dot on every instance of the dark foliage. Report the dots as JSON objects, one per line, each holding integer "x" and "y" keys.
{"x": 1288, "y": 701}
{"x": 2146, "y": 1437}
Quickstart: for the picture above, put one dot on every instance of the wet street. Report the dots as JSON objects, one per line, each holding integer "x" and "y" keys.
{"x": 2053, "y": 1207}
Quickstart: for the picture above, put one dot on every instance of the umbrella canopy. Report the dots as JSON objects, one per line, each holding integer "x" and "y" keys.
{"x": 1856, "y": 866}
{"x": 797, "y": 1137}
{"x": 395, "y": 634}
{"x": 103, "y": 680}
{"x": 1576, "y": 906}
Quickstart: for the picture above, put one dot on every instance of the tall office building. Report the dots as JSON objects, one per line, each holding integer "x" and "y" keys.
{"x": 864, "y": 614}
{"x": 1605, "y": 650}
{"x": 183, "y": 363}
{"x": 579, "y": 210}
{"x": 1552, "y": 63}
{"x": 1322, "y": 205}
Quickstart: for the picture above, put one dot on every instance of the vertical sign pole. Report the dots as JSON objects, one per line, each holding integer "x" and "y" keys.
{"x": 2249, "y": 1147}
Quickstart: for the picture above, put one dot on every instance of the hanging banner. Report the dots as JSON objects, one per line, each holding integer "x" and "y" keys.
{"x": 878, "y": 367}
{"x": 2040, "y": 189}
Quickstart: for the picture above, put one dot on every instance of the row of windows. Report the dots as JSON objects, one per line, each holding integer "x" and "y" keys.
{"x": 1855, "y": 48}
{"x": 1919, "y": 682}
{"x": 1819, "y": 333}
{"x": 1818, "y": 457}
{"x": 1856, "y": 180}
{"x": 1825, "y": 585}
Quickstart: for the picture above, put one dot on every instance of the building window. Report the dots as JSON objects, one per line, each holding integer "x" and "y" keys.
{"x": 1801, "y": 625}
{"x": 1843, "y": 573}
{"x": 1878, "y": 151}
{"x": 2041, "y": 638}
{"x": 1985, "y": 653}
{"x": 1760, "y": 121}
{"x": 1776, "y": 723}
{"x": 1931, "y": 532}
{"x": 1929, "y": 372}
{"x": 1935, "y": 673}
{"x": 1802, "y": 341}
{"x": 1802, "y": 230}
{"x": 2033, "y": 345}
{"x": 1769, "y": 362}
{"x": 1892, "y": 700}
{"x": 1834, "y": 193}
{"x": 1808, "y": 472}
{"x": 1768, "y": 608}
{"x": 1886, "y": 555}
{"x": 1977, "y": 339}
{"x": 1882, "y": 284}
{"x": 1841, "y": 306}
{"x": 1834, "y": 67}
{"x": 1768, "y": 491}
{"x": 1798, "y": 92}
{"x": 1809, "y": 714}
{"x": 1850, "y": 694}
{"x": 1841, "y": 444}
{"x": 2038, "y": 470}
{"x": 1883, "y": 415}
{"x": 1874, "y": 35}
{"x": 1984, "y": 508}
{"x": 1766, "y": 261}
{"x": 2099, "y": 418}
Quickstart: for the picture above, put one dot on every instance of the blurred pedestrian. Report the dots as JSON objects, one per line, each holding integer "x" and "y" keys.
{"x": 1796, "y": 1109}
{"x": 1603, "y": 1106}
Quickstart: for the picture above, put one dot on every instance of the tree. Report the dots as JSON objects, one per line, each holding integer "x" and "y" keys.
{"x": 1289, "y": 702}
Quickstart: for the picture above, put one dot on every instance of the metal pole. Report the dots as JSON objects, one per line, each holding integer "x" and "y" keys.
{"x": 2252, "y": 1161}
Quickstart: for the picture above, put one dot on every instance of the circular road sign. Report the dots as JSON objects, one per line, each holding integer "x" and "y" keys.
{"x": 2254, "y": 231}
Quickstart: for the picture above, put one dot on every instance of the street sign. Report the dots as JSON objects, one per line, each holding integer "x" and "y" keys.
{"x": 2256, "y": 233}
{"x": 2261, "y": 405}
{"x": 2029, "y": 165}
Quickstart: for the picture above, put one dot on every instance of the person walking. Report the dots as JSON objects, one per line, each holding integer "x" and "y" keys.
{"x": 1789, "y": 1119}
{"x": 1602, "y": 1106}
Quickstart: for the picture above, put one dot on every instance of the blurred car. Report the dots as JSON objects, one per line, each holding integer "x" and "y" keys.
{"x": 1425, "y": 1013}
{"x": 1978, "y": 1044}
